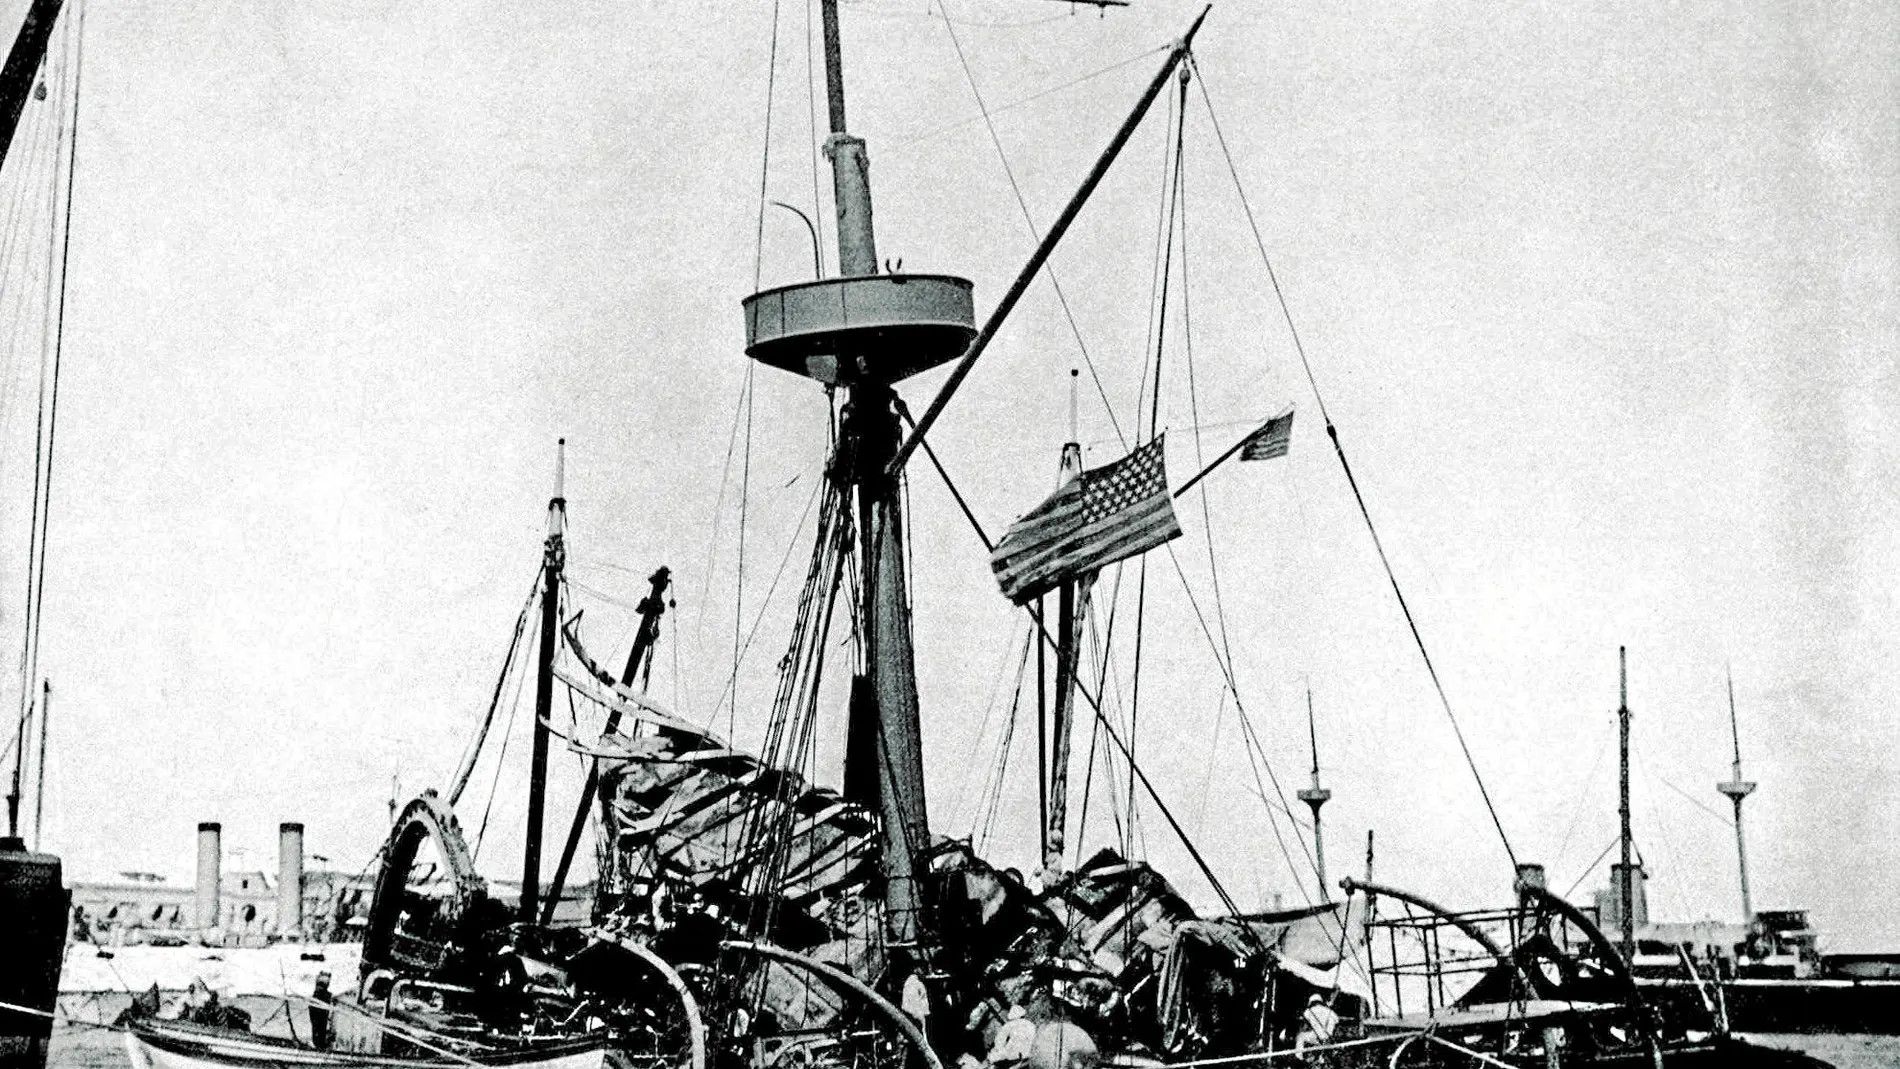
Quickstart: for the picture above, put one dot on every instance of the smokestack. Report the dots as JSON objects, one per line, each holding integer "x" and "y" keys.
{"x": 210, "y": 867}
{"x": 289, "y": 879}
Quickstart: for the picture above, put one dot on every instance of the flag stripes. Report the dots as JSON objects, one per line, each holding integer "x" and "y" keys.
{"x": 1102, "y": 516}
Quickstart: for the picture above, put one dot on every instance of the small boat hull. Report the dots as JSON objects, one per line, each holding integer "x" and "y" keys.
{"x": 169, "y": 1045}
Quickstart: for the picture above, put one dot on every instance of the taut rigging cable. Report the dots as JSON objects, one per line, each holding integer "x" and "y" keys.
{"x": 1332, "y": 432}
{"x": 1035, "y": 233}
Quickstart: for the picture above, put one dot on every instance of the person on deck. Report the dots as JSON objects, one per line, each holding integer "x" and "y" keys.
{"x": 321, "y": 1035}
{"x": 1317, "y": 1024}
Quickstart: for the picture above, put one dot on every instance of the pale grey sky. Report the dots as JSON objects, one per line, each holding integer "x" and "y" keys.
{"x": 1602, "y": 297}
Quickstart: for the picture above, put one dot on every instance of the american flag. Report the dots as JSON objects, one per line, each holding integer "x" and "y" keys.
{"x": 1103, "y": 515}
{"x": 1270, "y": 440}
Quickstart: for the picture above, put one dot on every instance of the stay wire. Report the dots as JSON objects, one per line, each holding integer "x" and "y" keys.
{"x": 501, "y": 761}
{"x": 1591, "y": 867}
{"x": 758, "y": 619}
{"x": 993, "y": 792}
{"x": 811, "y": 126}
{"x": 54, "y": 328}
{"x": 1252, "y": 746}
{"x": 1157, "y": 282}
{"x": 1031, "y": 98}
{"x": 1035, "y": 233}
{"x": 1159, "y": 312}
{"x": 718, "y": 521}
{"x": 738, "y": 593}
{"x": 1332, "y": 432}
{"x": 765, "y": 155}
{"x": 465, "y": 767}
{"x": 1095, "y": 707}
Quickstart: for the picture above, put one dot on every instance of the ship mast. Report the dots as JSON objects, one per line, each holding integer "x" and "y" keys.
{"x": 864, "y": 332}
{"x": 1072, "y": 599}
{"x": 553, "y": 558}
{"x": 1315, "y": 797}
{"x": 1625, "y": 874}
{"x": 1737, "y": 789}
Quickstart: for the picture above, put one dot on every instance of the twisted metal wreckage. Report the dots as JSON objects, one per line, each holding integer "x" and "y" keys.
{"x": 746, "y": 916}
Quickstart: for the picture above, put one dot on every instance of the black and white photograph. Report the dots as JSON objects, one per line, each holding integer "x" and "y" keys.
{"x": 949, "y": 534}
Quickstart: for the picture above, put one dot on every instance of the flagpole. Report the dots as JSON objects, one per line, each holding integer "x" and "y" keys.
{"x": 1218, "y": 461}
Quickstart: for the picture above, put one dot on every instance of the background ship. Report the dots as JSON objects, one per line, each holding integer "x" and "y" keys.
{"x": 1765, "y": 974}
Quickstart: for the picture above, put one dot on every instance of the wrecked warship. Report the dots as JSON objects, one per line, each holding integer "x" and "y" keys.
{"x": 744, "y": 915}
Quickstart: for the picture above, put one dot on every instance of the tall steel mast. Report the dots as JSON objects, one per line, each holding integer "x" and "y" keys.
{"x": 1315, "y": 797}
{"x": 554, "y": 557}
{"x": 1737, "y": 789}
{"x": 1625, "y": 872}
{"x": 864, "y": 332}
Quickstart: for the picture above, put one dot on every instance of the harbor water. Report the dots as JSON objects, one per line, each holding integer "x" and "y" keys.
{"x": 84, "y": 1046}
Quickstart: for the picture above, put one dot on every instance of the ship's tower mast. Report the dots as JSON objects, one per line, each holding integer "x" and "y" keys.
{"x": 1072, "y": 600}
{"x": 1315, "y": 797}
{"x": 1737, "y": 789}
{"x": 1626, "y": 873}
{"x": 864, "y": 332}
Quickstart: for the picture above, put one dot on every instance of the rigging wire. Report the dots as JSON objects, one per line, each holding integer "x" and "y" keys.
{"x": 1591, "y": 867}
{"x": 964, "y": 807}
{"x": 501, "y": 762}
{"x": 1035, "y": 233}
{"x": 53, "y": 337}
{"x": 758, "y": 619}
{"x": 718, "y": 522}
{"x": 811, "y": 127}
{"x": 765, "y": 156}
{"x": 1249, "y": 746}
{"x": 1589, "y": 780}
{"x": 1332, "y": 432}
{"x": 20, "y": 202}
{"x": 1158, "y": 328}
{"x": 1030, "y": 99}
{"x": 39, "y": 127}
{"x": 738, "y": 592}
{"x": 473, "y": 751}
{"x": 993, "y": 786}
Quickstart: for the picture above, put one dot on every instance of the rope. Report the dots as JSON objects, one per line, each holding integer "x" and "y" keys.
{"x": 759, "y": 619}
{"x": 964, "y": 806}
{"x": 46, "y": 421}
{"x": 1332, "y": 432}
{"x": 1158, "y": 311}
{"x": 1101, "y": 718}
{"x": 1576, "y": 814}
{"x": 1022, "y": 101}
{"x": 466, "y": 767}
{"x": 738, "y": 584}
{"x": 501, "y": 760}
{"x": 765, "y": 156}
{"x": 993, "y": 786}
{"x": 718, "y": 518}
{"x": 811, "y": 127}
{"x": 1591, "y": 867}
{"x": 1022, "y": 205}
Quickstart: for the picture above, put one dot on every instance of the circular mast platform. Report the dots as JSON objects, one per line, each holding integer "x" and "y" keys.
{"x": 868, "y": 329}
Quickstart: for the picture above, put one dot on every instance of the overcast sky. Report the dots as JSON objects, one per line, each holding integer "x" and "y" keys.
{"x": 1602, "y": 299}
